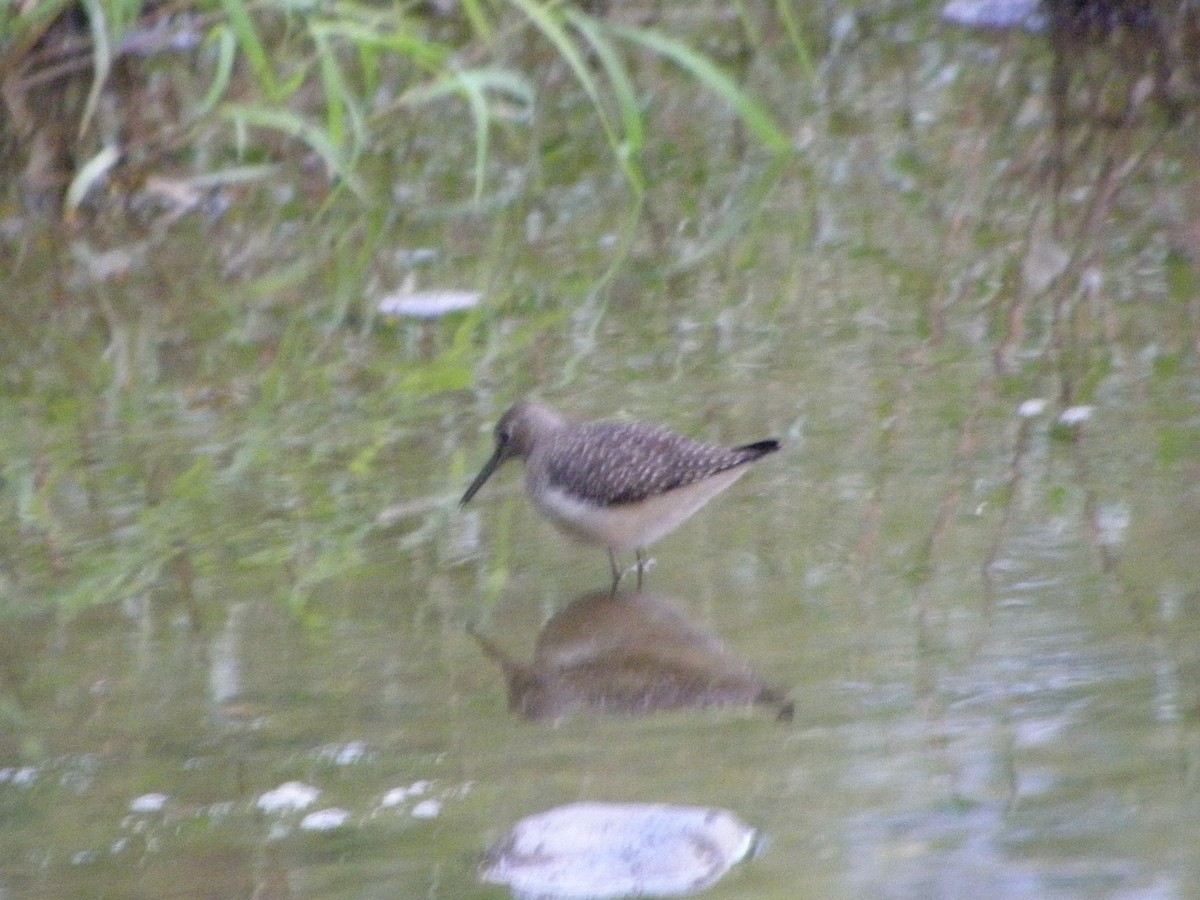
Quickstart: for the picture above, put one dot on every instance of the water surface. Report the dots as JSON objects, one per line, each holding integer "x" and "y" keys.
{"x": 233, "y": 557}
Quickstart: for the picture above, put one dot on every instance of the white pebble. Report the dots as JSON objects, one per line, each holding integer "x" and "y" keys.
{"x": 427, "y": 809}
{"x": 291, "y": 796}
{"x": 1032, "y": 407}
{"x": 324, "y": 820}
{"x": 352, "y": 753}
{"x": 1076, "y": 415}
{"x": 148, "y": 803}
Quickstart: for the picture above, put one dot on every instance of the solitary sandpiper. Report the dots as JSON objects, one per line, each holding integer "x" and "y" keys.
{"x": 620, "y": 485}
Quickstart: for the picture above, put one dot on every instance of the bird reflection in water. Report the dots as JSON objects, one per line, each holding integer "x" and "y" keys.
{"x": 628, "y": 653}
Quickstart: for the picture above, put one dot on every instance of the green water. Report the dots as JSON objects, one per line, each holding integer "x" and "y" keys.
{"x": 231, "y": 554}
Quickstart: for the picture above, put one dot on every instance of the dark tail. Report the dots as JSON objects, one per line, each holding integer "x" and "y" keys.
{"x": 758, "y": 449}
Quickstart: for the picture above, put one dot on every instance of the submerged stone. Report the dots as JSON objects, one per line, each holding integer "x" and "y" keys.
{"x": 593, "y": 851}
{"x": 325, "y": 819}
{"x": 291, "y": 796}
{"x": 1027, "y": 14}
{"x": 428, "y": 304}
{"x": 148, "y": 803}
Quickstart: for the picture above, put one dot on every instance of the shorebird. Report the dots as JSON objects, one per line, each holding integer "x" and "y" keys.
{"x": 620, "y": 485}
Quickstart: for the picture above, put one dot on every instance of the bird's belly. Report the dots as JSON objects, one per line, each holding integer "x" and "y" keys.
{"x": 630, "y": 526}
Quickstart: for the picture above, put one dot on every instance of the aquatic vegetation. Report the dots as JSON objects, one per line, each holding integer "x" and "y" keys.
{"x": 348, "y": 82}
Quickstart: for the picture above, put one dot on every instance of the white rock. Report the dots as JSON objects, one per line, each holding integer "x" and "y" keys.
{"x": 427, "y": 809}
{"x": 610, "y": 850}
{"x": 325, "y": 819}
{"x": 291, "y": 796}
{"x": 428, "y": 304}
{"x": 1034, "y": 406}
{"x": 148, "y": 803}
{"x": 1076, "y": 415}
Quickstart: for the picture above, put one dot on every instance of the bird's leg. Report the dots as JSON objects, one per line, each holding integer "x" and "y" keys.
{"x": 616, "y": 572}
{"x": 643, "y": 563}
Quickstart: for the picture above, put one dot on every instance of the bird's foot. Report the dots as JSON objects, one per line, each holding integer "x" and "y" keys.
{"x": 644, "y": 564}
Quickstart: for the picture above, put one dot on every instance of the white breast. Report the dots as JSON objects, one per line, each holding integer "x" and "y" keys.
{"x": 630, "y": 526}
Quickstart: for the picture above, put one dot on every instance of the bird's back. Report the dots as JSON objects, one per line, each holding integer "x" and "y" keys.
{"x": 615, "y": 463}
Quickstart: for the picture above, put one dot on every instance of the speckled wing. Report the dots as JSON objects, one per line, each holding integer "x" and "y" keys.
{"x": 612, "y": 463}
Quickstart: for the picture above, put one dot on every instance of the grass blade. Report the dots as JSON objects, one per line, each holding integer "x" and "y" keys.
{"x": 89, "y": 174}
{"x": 548, "y": 19}
{"x": 101, "y": 60}
{"x": 247, "y": 36}
{"x": 633, "y": 127}
{"x": 803, "y": 56}
{"x": 427, "y": 55}
{"x": 223, "y": 71}
{"x": 756, "y": 117}
{"x": 473, "y": 85}
{"x": 294, "y": 125}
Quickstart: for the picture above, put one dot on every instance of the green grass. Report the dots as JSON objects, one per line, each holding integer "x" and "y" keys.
{"x": 332, "y": 78}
